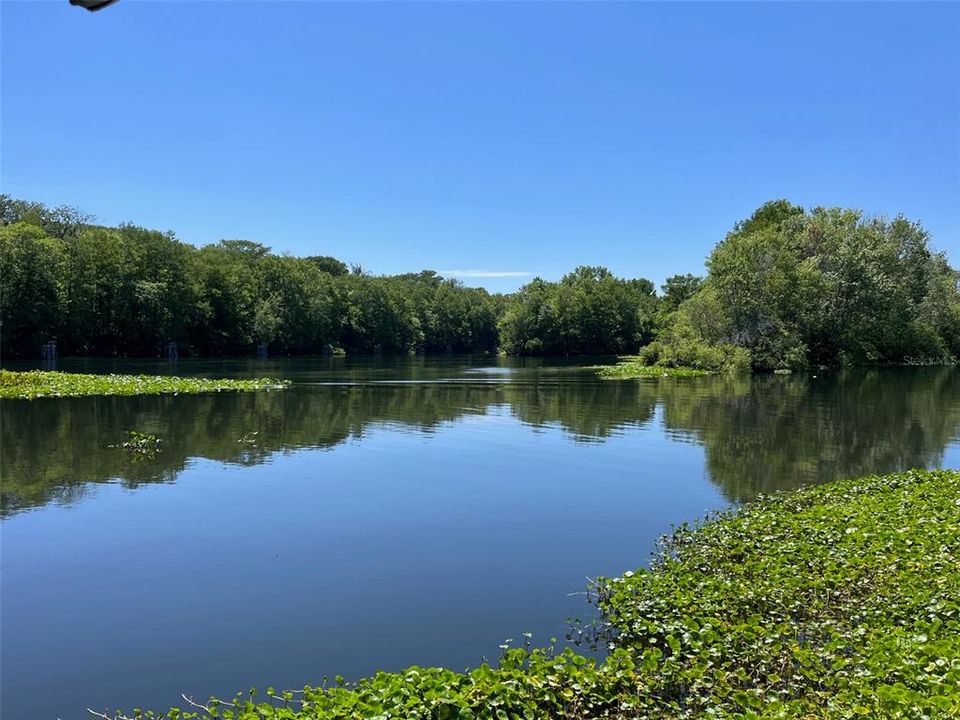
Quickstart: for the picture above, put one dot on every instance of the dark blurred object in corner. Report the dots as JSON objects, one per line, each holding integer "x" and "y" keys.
{"x": 93, "y": 5}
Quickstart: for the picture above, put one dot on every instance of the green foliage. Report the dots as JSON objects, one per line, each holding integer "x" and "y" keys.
{"x": 590, "y": 311}
{"x": 841, "y": 601}
{"x": 329, "y": 265}
{"x": 130, "y": 291}
{"x": 694, "y": 338}
{"x": 636, "y": 367}
{"x": 141, "y": 444}
{"x": 793, "y": 288}
{"x": 38, "y": 384}
{"x": 825, "y": 287}
{"x": 678, "y": 289}
{"x": 33, "y": 295}
{"x": 691, "y": 353}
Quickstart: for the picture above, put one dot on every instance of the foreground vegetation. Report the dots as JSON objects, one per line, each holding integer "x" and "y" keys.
{"x": 38, "y": 384}
{"x": 787, "y": 288}
{"x": 839, "y": 601}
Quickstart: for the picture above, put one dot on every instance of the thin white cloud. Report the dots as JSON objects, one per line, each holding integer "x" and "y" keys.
{"x": 485, "y": 273}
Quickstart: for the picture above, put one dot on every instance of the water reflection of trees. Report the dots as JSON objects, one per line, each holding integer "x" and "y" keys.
{"x": 759, "y": 433}
{"x": 587, "y": 410}
{"x": 768, "y": 433}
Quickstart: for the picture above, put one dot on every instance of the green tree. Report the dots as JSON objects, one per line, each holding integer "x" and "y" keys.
{"x": 827, "y": 286}
{"x": 679, "y": 288}
{"x": 33, "y": 295}
{"x": 590, "y": 311}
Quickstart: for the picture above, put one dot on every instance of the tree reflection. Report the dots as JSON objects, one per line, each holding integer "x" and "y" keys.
{"x": 768, "y": 433}
{"x": 759, "y": 434}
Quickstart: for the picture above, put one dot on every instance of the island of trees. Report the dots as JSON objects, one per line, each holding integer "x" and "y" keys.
{"x": 786, "y": 288}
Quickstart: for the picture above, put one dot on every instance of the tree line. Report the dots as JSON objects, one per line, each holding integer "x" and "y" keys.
{"x": 128, "y": 290}
{"x": 787, "y": 288}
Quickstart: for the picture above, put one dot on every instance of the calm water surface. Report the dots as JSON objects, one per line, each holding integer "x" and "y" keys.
{"x": 382, "y": 513}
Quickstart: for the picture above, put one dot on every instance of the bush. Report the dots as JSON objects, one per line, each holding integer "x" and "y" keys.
{"x": 696, "y": 337}
{"x": 696, "y": 354}
{"x": 779, "y": 349}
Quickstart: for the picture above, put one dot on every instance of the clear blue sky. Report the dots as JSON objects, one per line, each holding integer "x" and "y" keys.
{"x": 494, "y": 137}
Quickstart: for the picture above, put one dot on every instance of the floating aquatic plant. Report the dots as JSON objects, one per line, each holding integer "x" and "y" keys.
{"x": 141, "y": 444}
{"x": 39, "y": 383}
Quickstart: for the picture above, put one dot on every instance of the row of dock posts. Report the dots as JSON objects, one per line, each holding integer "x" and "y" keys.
{"x": 48, "y": 355}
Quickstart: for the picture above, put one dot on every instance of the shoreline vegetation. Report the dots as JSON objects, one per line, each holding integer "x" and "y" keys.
{"x": 788, "y": 288}
{"x": 840, "y": 601}
{"x": 34, "y": 384}
{"x": 629, "y": 367}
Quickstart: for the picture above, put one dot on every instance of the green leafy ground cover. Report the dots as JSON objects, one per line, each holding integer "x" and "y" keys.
{"x": 632, "y": 367}
{"x": 840, "y": 601}
{"x": 38, "y": 383}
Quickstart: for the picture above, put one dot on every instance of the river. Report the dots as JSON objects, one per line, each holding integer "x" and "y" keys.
{"x": 384, "y": 512}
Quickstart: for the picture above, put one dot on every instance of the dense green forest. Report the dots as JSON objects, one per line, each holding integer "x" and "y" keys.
{"x": 827, "y": 287}
{"x": 787, "y": 288}
{"x": 129, "y": 291}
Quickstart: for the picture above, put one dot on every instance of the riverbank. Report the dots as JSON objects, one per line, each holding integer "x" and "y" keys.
{"x": 837, "y": 601}
{"x": 38, "y": 384}
{"x": 686, "y": 360}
